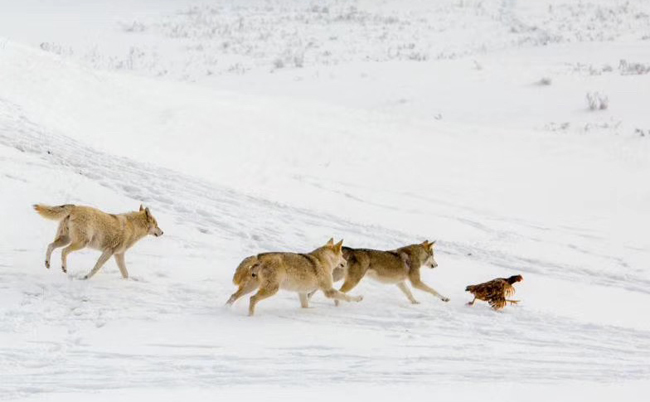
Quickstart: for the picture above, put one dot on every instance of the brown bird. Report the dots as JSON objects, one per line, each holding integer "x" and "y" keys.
{"x": 495, "y": 291}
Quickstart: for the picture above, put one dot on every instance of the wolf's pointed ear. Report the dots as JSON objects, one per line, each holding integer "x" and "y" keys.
{"x": 433, "y": 244}
{"x": 330, "y": 242}
{"x": 141, "y": 208}
{"x": 147, "y": 212}
{"x": 338, "y": 246}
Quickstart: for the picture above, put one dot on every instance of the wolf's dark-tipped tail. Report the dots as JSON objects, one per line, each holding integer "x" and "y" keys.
{"x": 54, "y": 213}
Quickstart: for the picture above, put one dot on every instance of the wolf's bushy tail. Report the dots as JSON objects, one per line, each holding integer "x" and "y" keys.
{"x": 244, "y": 270}
{"x": 55, "y": 213}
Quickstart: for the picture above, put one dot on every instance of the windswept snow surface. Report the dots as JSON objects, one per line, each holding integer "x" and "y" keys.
{"x": 250, "y": 126}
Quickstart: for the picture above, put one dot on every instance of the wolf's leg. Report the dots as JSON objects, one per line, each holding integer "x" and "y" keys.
{"x": 418, "y": 284}
{"x": 337, "y": 275}
{"x": 472, "y": 302}
{"x": 304, "y": 300}
{"x": 351, "y": 280}
{"x": 121, "y": 264}
{"x": 405, "y": 289}
{"x": 60, "y": 241}
{"x": 332, "y": 293}
{"x": 64, "y": 254}
{"x": 100, "y": 262}
{"x": 267, "y": 290}
{"x": 244, "y": 289}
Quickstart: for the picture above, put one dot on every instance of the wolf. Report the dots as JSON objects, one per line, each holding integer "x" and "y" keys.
{"x": 82, "y": 227}
{"x": 390, "y": 267}
{"x": 301, "y": 273}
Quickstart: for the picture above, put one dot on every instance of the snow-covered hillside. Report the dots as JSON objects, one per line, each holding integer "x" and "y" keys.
{"x": 255, "y": 126}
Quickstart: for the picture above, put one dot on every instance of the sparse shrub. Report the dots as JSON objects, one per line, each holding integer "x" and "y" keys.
{"x": 299, "y": 59}
{"x": 321, "y": 10}
{"x": 557, "y": 127}
{"x": 611, "y": 126}
{"x": 237, "y": 68}
{"x": 56, "y": 49}
{"x": 278, "y": 63}
{"x": 597, "y": 101}
{"x": 134, "y": 27}
{"x": 545, "y": 81}
{"x": 626, "y": 68}
{"x": 418, "y": 56}
{"x": 135, "y": 54}
{"x": 594, "y": 70}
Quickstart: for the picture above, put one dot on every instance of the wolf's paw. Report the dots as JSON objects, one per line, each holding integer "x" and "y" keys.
{"x": 444, "y": 299}
{"x": 357, "y": 298}
{"x": 85, "y": 277}
{"x": 47, "y": 264}
{"x": 64, "y": 269}
{"x": 415, "y": 302}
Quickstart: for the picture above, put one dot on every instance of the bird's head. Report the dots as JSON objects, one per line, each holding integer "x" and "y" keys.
{"x": 515, "y": 278}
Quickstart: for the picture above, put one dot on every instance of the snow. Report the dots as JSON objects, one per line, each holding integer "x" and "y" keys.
{"x": 420, "y": 120}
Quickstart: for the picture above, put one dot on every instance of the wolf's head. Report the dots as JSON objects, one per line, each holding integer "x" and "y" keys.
{"x": 423, "y": 254}
{"x": 335, "y": 253}
{"x": 152, "y": 224}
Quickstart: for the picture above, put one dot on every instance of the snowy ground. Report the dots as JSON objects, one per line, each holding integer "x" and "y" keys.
{"x": 253, "y": 125}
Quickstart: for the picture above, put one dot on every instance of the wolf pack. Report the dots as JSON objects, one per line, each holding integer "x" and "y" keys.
{"x": 265, "y": 273}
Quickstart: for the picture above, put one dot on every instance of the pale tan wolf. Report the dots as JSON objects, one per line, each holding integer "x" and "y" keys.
{"x": 81, "y": 227}
{"x": 301, "y": 273}
{"x": 391, "y": 267}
